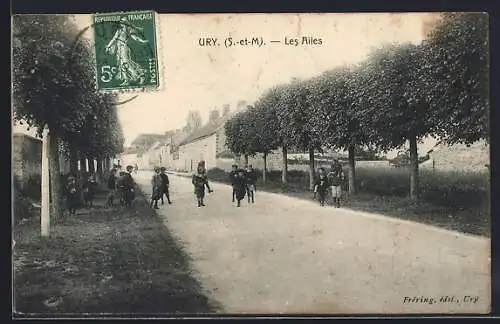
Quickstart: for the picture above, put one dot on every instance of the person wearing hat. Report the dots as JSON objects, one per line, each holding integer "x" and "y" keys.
{"x": 251, "y": 181}
{"x": 321, "y": 186}
{"x": 232, "y": 177}
{"x": 240, "y": 186}
{"x": 165, "y": 183}
{"x": 128, "y": 186}
{"x": 89, "y": 188}
{"x": 335, "y": 179}
{"x": 156, "y": 191}
{"x": 200, "y": 181}
{"x": 71, "y": 194}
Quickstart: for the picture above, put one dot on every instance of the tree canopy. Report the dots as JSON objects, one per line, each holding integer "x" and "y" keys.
{"x": 53, "y": 85}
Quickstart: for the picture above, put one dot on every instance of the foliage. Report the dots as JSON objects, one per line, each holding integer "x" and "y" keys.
{"x": 293, "y": 112}
{"x": 397, "y": 108}
{"x": 53, "y": 85}
{"x": 337, "y": 108}
{"x": 45, "y": 88}
{"x": 236, "y": 139}
{"x": 457, "y": 71}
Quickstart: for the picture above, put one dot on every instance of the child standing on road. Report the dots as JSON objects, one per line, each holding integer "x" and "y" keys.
{"x": 71, "y": 195}
{"x": 335, "y": 178}
{"x": 165, "y": 182}
{"x": 321, "y": 186}
{"x": 129, "y": 184}
{"x": 240, "y": 186}
{"x": 232, "y": 176}
{"x": 199, "y": 181}
{"x": 156, "y": 183}
{"x": 251, "y": 181}
{"x": 89, "y": 188}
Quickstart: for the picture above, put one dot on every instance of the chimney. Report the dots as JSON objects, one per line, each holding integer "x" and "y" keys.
{"x": 241, "y": 105}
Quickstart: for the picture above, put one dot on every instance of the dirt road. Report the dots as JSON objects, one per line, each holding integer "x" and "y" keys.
{"x": 285, "y": 255}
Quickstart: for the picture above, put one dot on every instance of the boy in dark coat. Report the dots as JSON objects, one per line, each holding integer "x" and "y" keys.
{"x": 232, "y": 177}
{"x": 89, "y": 188}
{"x": 335, "y": 179}
{"x": 120, "y": 187}
{"x": 71, "y": 195}
{"x": 240, "y": 186}
{"x": 251, "y": 181}
{"x": 157, "y": 187}
{"x": 321, "y": 186}
{"x": 199, "y": 181}
{"x": 128, "y": 184}
{"x": 165, "y": 183}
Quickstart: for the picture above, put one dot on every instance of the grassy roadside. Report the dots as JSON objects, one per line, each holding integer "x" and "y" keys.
{"x": 104, "y": 260}
{"x": 442, "y": 205}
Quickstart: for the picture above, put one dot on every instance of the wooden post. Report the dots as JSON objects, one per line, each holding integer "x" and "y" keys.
{"x": 45, "y": 216}
{"x": 311, "y": 169}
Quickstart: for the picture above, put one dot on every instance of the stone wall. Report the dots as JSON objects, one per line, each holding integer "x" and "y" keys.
{"x": 26, "y": 158}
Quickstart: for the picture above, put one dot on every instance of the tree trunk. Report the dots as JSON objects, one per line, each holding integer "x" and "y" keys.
{"x": 100, "y": 174}
{"x": 73, "y": 161}
{"x": 55, "y": 176}
{"x": 45, "y": 212}
{"x": 284, "y": 168}
{"x": 91, "y": 164}
{"x": 311, "y": 169}
{"x": 414, "y": 181}
{"x": 246, "y": 160}
{"x": 83, "y": 164}
{"x": 264, "y": 173}
{"x": 352, "y": 169}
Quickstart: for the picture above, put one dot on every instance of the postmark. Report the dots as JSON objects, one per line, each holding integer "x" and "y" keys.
{"x": 126, "y": 51}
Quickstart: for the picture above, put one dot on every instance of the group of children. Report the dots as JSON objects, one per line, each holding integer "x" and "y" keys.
{"x": 244, "y": 183}
{"x": 332, "y": 180}
{"x": 73, "y": 192}
{"x": 160, "y": 185}
{"x": 121, "y": 184}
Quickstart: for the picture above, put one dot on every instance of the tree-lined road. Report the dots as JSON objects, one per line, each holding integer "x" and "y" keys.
{"x": 286, "y": 255}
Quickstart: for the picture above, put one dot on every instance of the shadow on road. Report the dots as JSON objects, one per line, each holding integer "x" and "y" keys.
{"x": 104, "y": 260}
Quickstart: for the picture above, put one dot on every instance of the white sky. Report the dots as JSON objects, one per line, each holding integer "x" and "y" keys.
{"x": 204, "y": 78}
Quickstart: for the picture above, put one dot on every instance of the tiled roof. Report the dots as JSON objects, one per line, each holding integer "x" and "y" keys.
{"x": 207, "y": 130}
{"x": 147, "y": 139}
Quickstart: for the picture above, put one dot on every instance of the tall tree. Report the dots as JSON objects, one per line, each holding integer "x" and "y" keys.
{"x": 270, "y": 104}
{"x": 46, "y": 91}
{"x": 294, "y": 112}
{"x": 266, "y": 125}
{"x": 397, "y": 105}
{"x": 236, "y": 137}
{"x": 457, "y": 77}
{"x": 338, "y": 112}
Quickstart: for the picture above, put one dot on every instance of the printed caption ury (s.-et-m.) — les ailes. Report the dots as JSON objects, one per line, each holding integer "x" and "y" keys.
{"x": 258, "y": 41}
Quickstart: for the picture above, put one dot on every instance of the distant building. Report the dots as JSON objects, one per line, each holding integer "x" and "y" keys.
{"x": 204, "y": 144}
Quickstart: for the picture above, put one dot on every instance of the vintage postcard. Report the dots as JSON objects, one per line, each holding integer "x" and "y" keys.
{"x": 318, "y": 164}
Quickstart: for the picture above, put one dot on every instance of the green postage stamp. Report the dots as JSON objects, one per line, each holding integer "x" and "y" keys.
{"x": 126, "y": 50}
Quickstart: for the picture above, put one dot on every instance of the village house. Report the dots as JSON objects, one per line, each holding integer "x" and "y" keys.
{"x": 205, "y": 143}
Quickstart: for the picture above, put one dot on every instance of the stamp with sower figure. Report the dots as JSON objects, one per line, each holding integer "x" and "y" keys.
{"x": 126, "y": 51}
